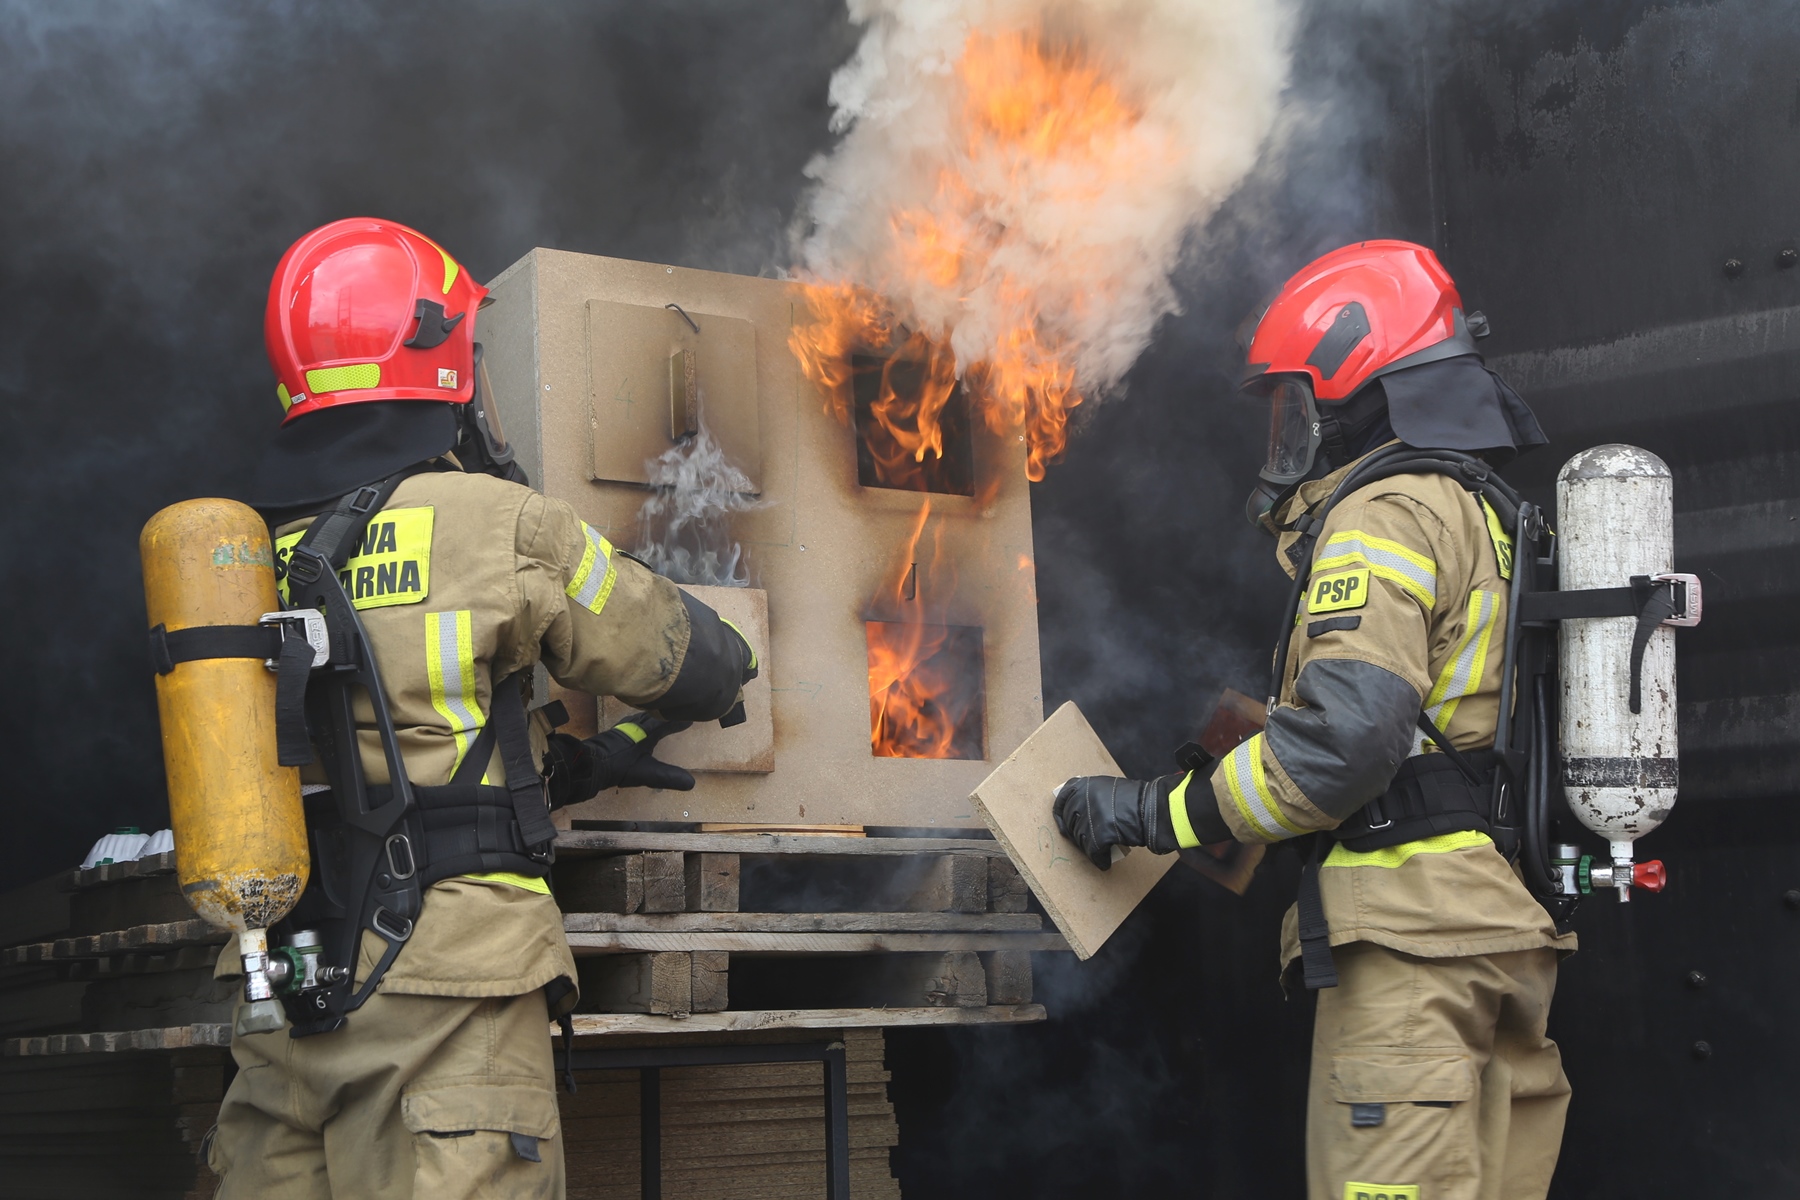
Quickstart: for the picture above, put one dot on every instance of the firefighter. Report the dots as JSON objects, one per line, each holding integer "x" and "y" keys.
{"x": 430, "y": 1071}
{"x": 1431, "y": 1074}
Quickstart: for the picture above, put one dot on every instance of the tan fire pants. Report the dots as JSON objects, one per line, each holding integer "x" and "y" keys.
{"x": 433, "y": 1097}
{"x": 1432, "y": 1078}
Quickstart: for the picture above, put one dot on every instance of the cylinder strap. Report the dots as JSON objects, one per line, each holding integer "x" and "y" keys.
{"x": 169, "y": 647}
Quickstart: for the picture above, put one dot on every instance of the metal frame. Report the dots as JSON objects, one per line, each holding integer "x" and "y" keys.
{"x": 648, "y": 1061}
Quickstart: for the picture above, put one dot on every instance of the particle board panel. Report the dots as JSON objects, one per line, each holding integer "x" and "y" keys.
{"x": 1086, "y": 903}
{"x": 827, "y": 551}
{"x": 748, "y": 747}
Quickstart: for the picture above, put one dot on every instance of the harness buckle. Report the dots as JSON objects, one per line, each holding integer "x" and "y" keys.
{"x": 403, "y": 844}
{"x": 312, "y": 628}
{"x": 1687, "y": 595}
{"x": 398, "y": 931}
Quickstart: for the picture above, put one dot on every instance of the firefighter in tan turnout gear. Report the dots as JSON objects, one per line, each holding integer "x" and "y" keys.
{"x": 427, "y": 1070}
{"x": 1432, "y": 1077}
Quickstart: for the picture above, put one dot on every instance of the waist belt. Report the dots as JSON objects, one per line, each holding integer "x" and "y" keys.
{"x": 1431, "y": 795}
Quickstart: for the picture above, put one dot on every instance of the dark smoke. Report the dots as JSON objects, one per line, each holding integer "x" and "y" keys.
{"x": 159, "y": 157}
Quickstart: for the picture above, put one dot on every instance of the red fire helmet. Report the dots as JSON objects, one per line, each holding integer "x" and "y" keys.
{"x": 1358, "y": 312}
{"x": 364, "y": 309}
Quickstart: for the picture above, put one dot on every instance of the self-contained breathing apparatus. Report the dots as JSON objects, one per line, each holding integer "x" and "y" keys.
{"x": 1505, "y": 791}
{"x": 375, "y": 848}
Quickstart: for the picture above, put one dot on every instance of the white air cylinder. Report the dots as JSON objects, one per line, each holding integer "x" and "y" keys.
{"x": 1615, "y": 519}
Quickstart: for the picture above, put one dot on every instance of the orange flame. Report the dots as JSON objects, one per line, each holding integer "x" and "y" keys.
{"x": 1034, "y": 115}
{"x": 925, "y": 678}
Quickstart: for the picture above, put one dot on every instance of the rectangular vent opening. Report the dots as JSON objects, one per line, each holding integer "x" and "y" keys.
{"x": 912, "y": 426}
{"x": 927, "y": 690}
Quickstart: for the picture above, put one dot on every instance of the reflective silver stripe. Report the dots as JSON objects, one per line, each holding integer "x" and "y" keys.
{"x": 594, "y": 578}
{"x": 1389, "y": 559}
{"x": 1249, "y": 788}
{"x": 450, "y": 667}
{"x": 1462, "y": 675}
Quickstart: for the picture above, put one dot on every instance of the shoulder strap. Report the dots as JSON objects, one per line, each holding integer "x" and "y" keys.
{"x": 530, "y": 807}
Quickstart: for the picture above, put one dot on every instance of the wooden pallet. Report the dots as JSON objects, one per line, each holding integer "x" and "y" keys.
{"x": 116, "y": 1024}
{"x": 672, "y": 923}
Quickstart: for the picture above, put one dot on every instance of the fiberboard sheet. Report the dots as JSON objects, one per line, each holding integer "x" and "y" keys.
{"x": 1086, "y": 903}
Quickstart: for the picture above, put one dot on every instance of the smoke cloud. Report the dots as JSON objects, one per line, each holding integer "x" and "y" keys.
{"x": 684, "y": 528}
{"x": 1018, "y": 178}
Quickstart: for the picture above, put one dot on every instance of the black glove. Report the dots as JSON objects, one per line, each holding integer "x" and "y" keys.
{"x": 623, "y": 756}
{"x": 1098, "y": 812}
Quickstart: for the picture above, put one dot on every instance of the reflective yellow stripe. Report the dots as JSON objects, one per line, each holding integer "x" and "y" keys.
{"x": 530, "y": 883}
{"x": 1503, "y": 543}
{"x": 1393, "y": 856}
{"x": 594, "y": 578}
{"x": 281, "y": 394}
{"x": 747, "y": 644}
{"x": 1462, "y": 675}
{"x": 344, "y": 379}
{"x": 1387, "y": 559}
{"x": 450, "y": 665}
{"x": 632, "y": 730}
{"x": 1185, "y": 837}
{"x": 1248, "y": 783}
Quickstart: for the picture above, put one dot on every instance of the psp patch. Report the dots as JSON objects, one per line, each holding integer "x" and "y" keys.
{"x": 391, "y": 566}
{"x": 1381, "y": 1191}
{"x": 1339, "y": 591}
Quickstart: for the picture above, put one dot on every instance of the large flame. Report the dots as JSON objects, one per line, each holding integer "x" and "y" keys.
{"x": 925, "y": 677}
{"x": 1036, "y": 121}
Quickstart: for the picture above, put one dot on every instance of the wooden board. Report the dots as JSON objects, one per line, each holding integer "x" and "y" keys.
{"x": 600, "y": 1024}
{"x": 575, "y": 842}
{"x": 1086, "y": 903}
{"x": 611, "y": 942}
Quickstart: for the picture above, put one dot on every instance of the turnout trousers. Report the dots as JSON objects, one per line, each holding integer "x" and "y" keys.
{"x": 434, "y": 1097}
{"x": 1432, "y": 1078}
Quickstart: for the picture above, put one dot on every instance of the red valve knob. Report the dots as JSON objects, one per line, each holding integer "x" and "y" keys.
{"x": 1652, "y": 876}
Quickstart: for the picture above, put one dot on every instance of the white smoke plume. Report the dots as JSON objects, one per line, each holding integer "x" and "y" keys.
{"x": 684, "y": 528}
{"x": 1069, "y": 221}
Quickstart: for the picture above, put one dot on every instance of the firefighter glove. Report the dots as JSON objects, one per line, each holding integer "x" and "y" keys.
{"x": 1098, "y": 812}
{"x": 578, "y": 769}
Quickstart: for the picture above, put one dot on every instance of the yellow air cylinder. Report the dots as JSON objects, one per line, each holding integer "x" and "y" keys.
{"x": 240, "y": 831}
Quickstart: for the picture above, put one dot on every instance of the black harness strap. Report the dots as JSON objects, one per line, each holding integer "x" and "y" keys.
{"x": 1316, "y": 966}
{"x": 171, "y": 646}
{"x": 531, "y": 808}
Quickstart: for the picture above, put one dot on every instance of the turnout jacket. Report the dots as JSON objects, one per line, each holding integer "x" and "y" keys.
{"x": 461, "y": 580}
{"x": 1405, "y": 610}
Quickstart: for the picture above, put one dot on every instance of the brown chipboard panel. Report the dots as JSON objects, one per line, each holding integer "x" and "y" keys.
{"x": 631, "y": 377}
{"x": 829, "y": 553}
{"x": 747, "y": 747}
{"x": 1086, "y": 903}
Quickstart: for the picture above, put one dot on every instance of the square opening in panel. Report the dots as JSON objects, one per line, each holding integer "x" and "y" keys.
{"x": 926, "y": 690}
{"x": 912, "y": 427}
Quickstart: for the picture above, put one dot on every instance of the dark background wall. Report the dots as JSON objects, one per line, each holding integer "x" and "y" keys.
{"x": 1586, "y": 169}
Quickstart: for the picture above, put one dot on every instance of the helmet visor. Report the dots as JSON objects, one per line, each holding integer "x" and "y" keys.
{"x": 1293, "y": 427}
{"x": 487, "y": 414}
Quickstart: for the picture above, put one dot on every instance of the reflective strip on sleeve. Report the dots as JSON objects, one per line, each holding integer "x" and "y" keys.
{"x": 1385, "y": 558}
{"x": 1462, "y": 675}
{"x": 1185, "y": 837}
{"x": 1249, "y": 787}
{"x": 594, "y": 578}
{"x": 1393, "y": 856}
{"x": 450, "y": 665}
